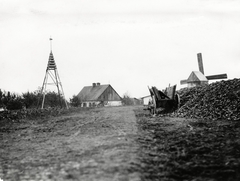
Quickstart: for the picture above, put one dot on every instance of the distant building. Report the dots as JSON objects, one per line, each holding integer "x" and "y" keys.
{"x": 146, "y": 100}
{"x": 196, "y": 78}
{"x": 98, "y": 94}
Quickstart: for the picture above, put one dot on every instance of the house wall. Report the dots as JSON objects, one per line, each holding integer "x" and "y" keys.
{"x": 109, "y": 95}
{"x": 146, "y": 100}
{"x": 113, "y": 103}
{"x": 90, "y": 103}
{"x": 98, "y": 103}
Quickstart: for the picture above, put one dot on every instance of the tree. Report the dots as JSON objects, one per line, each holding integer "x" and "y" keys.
{"x": 53, "y": 99}
{"x": 30, "y": 99}
{"x": 126, "y": 99}
{"x": 11, "y": 101}
{"x": 34, "y": 99}
{"x": 15, "y": 102}
{"x": 1, "y": 97}
{"x": 75, "y": 101}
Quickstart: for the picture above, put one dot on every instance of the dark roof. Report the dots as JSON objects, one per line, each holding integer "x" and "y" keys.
{"x": 92, "y": 93}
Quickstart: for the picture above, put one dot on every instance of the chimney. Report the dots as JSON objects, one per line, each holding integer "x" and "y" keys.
{"x": 94, "y": 84}
{"x": 98, "y": 84}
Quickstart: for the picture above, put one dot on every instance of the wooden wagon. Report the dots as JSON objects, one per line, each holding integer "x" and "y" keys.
{"x": 165, "y": 101}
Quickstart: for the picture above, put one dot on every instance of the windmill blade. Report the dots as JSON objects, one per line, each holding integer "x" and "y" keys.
{"x": 200, "y": 63}
{"x": 219, "y": 76}
{"x": 183, "y": 82}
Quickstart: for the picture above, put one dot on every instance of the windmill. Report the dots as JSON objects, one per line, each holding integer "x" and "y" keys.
{"x": 52, "y": 72}
{"x": 198, "y": 77}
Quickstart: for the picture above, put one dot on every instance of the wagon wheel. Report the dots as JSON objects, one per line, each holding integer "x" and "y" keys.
{"x": 177, "y": 101}
{"x": 154, "y": 108}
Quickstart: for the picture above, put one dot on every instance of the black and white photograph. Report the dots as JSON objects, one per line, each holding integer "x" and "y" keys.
{"x": 120, "y": 90}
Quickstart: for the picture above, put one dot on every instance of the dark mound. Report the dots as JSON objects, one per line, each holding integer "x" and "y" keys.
{"x": 219, "y": 100}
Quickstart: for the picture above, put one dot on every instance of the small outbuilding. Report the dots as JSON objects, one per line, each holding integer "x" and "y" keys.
{"x": 99, "y": 95}
{"x": 146, "y": 100}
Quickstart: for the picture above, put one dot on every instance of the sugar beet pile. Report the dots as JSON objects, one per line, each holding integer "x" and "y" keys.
{"x": 219, "y": 100}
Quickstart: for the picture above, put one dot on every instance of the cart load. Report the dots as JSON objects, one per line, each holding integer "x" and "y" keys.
{"x": 163, "y": 101}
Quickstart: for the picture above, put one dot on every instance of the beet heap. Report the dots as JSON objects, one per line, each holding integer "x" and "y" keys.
{"x": 219, "y": 100}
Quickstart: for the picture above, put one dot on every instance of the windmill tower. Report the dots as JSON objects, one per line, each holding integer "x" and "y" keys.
{"x": 52, "y": 72}
{"x": 198, "y": 78}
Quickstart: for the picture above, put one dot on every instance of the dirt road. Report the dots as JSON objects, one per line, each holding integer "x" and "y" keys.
{"x": 97, "y": 144}
{"x": 119, "y": 143}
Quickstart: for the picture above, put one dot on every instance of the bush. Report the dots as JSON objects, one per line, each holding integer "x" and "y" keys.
{"x": 31, "y": 99}
{"x": 10, "y": 101}
{"x": 75, "y": 101}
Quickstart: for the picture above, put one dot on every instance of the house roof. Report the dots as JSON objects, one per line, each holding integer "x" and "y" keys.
{"x": 92, "y": 93}
{"x": 196, "y": 76}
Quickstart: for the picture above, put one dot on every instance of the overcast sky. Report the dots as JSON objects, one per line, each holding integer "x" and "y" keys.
{"x": 130, "y": 44}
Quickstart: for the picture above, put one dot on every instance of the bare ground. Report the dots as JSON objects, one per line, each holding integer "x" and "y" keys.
{"x": 97, "y": 144}
{"x": 188, "y": 149}
{"x": 119, "y": 143}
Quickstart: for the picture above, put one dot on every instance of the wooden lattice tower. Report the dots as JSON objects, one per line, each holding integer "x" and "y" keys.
{"x": 52, "y": 72}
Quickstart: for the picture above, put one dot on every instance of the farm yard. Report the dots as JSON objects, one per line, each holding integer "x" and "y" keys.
{"x": 118, "y": 143}
{"x": 90, "y": 144}
{"x": 188, "y": 149}
{"x": 135, "y": 101}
